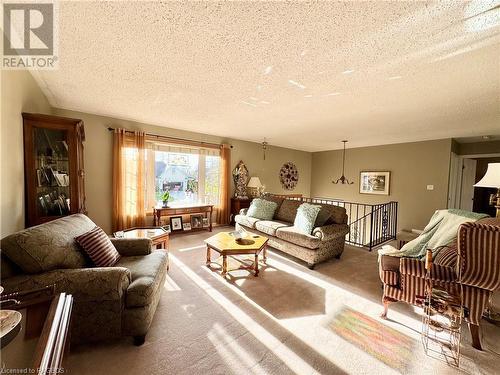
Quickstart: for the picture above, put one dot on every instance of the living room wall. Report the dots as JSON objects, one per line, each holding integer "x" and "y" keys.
{"x": 413, "y": 166}
{"x": 98, "y": 160}
{"x": 20, "y": 93}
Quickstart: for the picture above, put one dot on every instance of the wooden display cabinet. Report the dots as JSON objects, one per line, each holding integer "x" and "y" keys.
{"x": 53, "y": 161}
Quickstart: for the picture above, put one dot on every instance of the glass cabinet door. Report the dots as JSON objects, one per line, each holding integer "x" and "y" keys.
{"x": 52, "y": 174}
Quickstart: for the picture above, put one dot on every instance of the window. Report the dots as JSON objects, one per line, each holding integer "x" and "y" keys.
{"x": 189, "y": 175}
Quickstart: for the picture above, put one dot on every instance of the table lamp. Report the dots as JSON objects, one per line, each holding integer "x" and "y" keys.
{"x": 492, "y": 180}
{"x": 254, "y": 186}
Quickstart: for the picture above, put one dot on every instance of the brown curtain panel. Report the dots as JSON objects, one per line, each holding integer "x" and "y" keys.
{"x": 225, "y": 173}
{"x": 128, "y": 179}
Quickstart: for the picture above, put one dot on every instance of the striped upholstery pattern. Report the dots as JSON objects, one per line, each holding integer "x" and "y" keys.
{"x": 390, "y": 277}
{"x": 477, "y": 251}
{"x": 98, "y": 247}
{"x": 447, "y": 256}
{"x": 415, "y": 267}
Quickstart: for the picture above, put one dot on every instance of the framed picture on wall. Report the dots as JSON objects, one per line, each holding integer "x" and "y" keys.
{"x": 176, "y": 223}
{"x": 372, "y": 182}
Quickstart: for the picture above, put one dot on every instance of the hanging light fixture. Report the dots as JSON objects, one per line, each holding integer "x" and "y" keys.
{"x": 343, "y": 180}
{"x": 264, "y": 148}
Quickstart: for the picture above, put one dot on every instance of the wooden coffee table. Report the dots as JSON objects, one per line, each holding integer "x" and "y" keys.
{"x": 226, "y": 245}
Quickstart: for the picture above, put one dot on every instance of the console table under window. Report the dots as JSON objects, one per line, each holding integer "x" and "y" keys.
{"x": 188, "y": 209}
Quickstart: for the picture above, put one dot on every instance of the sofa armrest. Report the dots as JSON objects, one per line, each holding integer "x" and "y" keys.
{"x": 330, "y": 231}
{"x": 243, "y": 211}
{"x": 85, "y": 284}
{"x": 416, "y": 267}
{"x": 132, "y": 246}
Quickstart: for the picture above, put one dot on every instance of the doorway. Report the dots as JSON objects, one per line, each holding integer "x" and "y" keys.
{"x": 465, "y": 171}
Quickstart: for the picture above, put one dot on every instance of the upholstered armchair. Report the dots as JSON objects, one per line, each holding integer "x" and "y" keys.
{"x": 474, "y": 257}
{"x": 109, "y": 302}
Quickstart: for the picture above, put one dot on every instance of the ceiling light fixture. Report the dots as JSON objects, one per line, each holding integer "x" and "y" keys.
{"x": 268, "y": 70}
{"x": 395, "y": 77}
{"x": 342, "y": 179}
{"x": 333, "y": 94}
{"x": 308, "y": 96}
{"x": 349, "y": 71}
{"x": 264, "y": 148}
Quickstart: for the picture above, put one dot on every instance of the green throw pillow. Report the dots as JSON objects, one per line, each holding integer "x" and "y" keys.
{"x": 306, "y": 217}
{"x": 262, "y": 209}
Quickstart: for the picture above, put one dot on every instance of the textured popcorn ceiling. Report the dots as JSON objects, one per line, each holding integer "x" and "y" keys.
{"x": 303, "y": 75}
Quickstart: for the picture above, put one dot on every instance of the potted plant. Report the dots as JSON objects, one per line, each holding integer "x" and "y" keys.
{"x": 165, "y": 198}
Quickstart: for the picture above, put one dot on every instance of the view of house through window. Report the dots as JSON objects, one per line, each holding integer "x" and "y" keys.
{"x": 190, "y": 176}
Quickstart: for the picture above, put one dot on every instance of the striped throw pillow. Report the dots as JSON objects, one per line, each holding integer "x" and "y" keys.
{"x": 98, "y": 247}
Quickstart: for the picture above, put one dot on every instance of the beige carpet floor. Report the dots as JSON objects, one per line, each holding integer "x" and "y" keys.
{"x": 288, "y": 320}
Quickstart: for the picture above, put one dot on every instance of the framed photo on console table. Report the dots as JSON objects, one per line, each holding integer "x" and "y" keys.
{"x": 197, "y": 221}
{"x": 176, "y": 223}
{"x": 373, "y": 182}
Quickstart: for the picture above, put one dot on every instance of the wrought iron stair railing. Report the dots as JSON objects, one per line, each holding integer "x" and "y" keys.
{"x": 370, "y": 225}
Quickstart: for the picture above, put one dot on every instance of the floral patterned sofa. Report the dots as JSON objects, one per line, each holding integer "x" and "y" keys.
{"x": 325, "y": 241}
{"x": 109, "y": 301}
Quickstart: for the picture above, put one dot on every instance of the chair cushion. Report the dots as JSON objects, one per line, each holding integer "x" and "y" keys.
{"x": 262, "y": 209}
{"x": 246, "y": 220}
{"x": 269, "y": 227}
{"x": 146, "y": 272}
{"x": 292, "y": 235}
{"x": 98, "y": 247}
{"x": 306, "y": 217}
{"x": 287, "y": 211}
{"x": 49, "y": 246}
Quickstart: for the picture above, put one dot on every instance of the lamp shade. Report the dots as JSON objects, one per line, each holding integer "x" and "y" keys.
{"x": 492, "y": 177}
{"x": 254, "y": 182}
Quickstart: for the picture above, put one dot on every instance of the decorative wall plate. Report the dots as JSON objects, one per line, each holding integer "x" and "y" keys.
{"x": 289, "y": 176}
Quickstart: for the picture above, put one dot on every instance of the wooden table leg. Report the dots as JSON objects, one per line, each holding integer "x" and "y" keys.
{"x": 224, "y": 265}
{"x": 208, "y": 257}
{"x": 264, "y": 255}
{"x": 256, "y": 265}
{"x": 165, "y": 248}
{"x": 210, "y": 221}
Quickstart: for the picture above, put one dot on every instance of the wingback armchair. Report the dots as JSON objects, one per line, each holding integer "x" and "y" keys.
{"x": 109, "y": 302}
{"x": 476, "y": 253}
